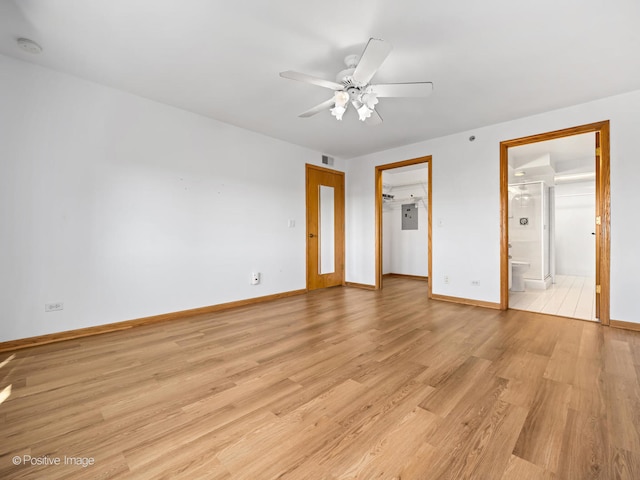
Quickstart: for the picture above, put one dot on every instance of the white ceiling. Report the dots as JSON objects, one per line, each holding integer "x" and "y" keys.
{"x": 407, "y": 175}
{"x": 567, "y": 155}
{"x": 562, "y": 150}
{"x": 490, "y": 61}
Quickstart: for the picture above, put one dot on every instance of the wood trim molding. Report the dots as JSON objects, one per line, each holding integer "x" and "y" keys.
{"x": 324, "y": 169}
{"x": 360, "y": 285}
{"x": 114, "y": 327}
{"x": 378, "y": 227}
{"x": 625, "y": 325}
{"x": 604, "y": 190}
{"x": 466, "y": 301}
{"x": 604, "y": 207}
{"x": 378, "y": 214}
{"x": 430, "y": 226}
{"x": 504, "y": 226}
{"x": 411, "y": 277}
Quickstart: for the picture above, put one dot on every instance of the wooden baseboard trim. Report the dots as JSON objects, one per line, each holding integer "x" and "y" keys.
{"x": 625, "y": 325}
{"x": 411, "y": 277}
{"x": 360, "y": 285}
{"x": 114, "y": 327}
{"x": 466, "y": 301}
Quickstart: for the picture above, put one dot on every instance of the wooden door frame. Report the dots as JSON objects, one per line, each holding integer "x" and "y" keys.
{"x": 340, "y": 244}
{"x": 603, "y": 208}
{"x": 378, "y": 190}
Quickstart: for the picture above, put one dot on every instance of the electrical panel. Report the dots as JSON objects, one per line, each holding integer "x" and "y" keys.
{"x": 409, "y": 216}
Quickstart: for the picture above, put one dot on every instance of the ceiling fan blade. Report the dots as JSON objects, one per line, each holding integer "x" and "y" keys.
{"x": 416, "y": 89}
{"x": 303, "y": 77}
{"x": 318, "y": 108}
{"x": 374, "y": 54}
{"x": 374, "y": 119}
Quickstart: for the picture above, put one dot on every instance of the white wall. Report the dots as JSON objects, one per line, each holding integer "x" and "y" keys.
{"x": 527, "y": 240}
{"x": 575, "y": 221}
{"x": 466, "y": 202}
{"x": 121, "y": 207}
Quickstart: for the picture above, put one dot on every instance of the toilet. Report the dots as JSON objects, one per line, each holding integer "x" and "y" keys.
{"x": 518, "y": 269}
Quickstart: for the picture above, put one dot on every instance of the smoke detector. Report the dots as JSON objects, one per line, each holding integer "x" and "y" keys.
{"x": 29, "y": 46}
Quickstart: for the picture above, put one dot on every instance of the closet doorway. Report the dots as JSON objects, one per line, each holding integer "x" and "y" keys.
{"x": 555, "y": 223}
{"x": 403, "y": 220}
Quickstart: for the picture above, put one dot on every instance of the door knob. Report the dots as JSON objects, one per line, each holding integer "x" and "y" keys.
{"x": 311, "y": 235}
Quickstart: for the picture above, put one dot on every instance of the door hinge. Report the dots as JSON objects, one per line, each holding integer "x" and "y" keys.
{"x": 598, "y": 220}
{"x": 597, "y": 151}
{"x": 598, "y": 289}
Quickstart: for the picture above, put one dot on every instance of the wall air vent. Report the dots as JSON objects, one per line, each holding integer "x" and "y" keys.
{"x": 327, "y": 160}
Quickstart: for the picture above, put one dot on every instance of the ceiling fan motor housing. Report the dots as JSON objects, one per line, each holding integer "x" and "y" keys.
{"x": 354, "y": 93}
{"x": 345, "y": 76}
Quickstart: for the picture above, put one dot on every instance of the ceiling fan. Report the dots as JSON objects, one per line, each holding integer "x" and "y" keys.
{"x": 352, "y": 85}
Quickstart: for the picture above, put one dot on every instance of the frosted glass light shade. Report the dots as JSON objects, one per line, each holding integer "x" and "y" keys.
{"x": 338, "y": 111}
{"x": 364, "y": 112}
{"x": 341, "y": 99}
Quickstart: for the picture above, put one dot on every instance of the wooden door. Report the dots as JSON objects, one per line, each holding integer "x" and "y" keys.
{"x": 325, "y": 227}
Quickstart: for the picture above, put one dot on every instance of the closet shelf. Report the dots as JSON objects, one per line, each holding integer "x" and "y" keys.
{"x": 403, "y": 200}
{"x": 404, "y": 185}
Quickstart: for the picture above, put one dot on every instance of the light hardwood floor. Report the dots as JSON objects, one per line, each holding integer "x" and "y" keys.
{"x": 571, "y": 296}
{"x": 342, "y": 383}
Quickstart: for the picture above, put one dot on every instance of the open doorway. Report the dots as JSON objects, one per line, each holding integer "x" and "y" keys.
{"x": 555, "y": 223}
{"x": 552, "y": 211}
{"x": 403, "y": 220}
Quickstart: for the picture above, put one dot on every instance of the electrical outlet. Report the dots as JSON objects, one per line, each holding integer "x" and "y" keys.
{"x": 446, "y": 279}
{"x": 475, "y": 283}
{"x": 52, "y": 307}
{"x": 255, "y": 278}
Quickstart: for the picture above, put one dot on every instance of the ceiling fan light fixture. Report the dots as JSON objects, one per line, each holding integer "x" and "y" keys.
{"x": 369, "y": 99}
{"x": 364, "y": 112}
{"x": 341, "y": 98}
{"x": 338, "y": 111}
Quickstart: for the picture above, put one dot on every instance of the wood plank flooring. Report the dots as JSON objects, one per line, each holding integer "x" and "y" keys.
{"x": 571, "y": 296}
{"x": 340, "y": 383}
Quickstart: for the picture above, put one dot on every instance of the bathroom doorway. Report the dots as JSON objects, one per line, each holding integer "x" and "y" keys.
{"x": 403, "y": 239}
{"x": 555, "y": 223}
